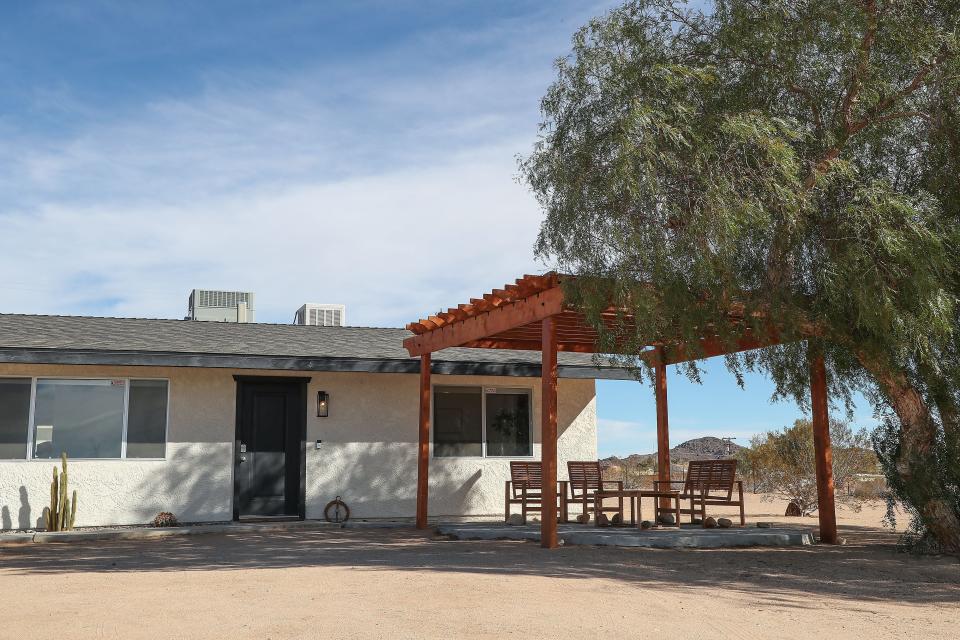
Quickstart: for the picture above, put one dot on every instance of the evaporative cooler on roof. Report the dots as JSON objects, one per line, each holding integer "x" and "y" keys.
{"x": 322, "y": 315}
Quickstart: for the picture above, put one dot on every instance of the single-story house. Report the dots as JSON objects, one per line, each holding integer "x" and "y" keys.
{"x": 219, "y": 421}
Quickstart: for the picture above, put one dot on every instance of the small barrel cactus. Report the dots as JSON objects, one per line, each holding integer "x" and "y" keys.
{"x": 165, "y": 519}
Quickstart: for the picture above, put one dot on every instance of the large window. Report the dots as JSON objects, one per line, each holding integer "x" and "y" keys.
{"x": 476, "y": 421}
{"x": 102, "y": 418}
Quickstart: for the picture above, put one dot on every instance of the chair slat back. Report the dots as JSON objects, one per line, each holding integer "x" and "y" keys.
{"x": 584, "y": 477}
{"x": 529, "y": 474}
{"x": 706, "y": 476}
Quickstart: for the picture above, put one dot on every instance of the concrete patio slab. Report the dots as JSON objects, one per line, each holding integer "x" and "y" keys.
{"x": 684, "y": 538}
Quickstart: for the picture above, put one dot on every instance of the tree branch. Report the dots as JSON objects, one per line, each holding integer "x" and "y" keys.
{"x": 856, "y": 78}
{"x": 800, "y": 91}
{"x": 874, "y": 115}
{"x": 902, "y": 114}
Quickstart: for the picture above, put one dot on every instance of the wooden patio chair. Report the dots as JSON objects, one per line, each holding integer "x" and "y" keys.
{"x": 585, "y": 481}
{"x": 709, "y": 483}
{"x": 525, "y": 487}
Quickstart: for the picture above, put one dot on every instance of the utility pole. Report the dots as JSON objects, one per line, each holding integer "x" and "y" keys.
{"x": 728, "y": 442}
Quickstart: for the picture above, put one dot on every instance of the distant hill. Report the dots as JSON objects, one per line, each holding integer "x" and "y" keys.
{"x": 707, "y": 448}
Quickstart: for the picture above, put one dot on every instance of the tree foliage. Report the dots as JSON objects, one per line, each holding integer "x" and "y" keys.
{"x": 795, "y": 161}
{"x": 785, "y": 463}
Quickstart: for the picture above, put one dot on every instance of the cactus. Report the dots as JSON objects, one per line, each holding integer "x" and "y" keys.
{"x": 62, "y": 512}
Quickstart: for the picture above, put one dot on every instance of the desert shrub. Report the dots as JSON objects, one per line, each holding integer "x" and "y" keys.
{"x": 165, "y": 519}
{"x": 785, "y": 464}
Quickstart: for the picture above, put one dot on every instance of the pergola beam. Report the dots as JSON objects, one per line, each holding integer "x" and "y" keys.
{"x": 529, "y": 345}
{"x": 494, "y": 321}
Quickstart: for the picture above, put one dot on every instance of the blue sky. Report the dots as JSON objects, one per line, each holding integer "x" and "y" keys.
{"x": 355, "y": 152}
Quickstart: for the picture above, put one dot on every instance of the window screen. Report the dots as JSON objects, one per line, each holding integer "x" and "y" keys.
{"x": 458, "y": 421}
{"x": 14, "y": 417}
{"x": 147, "y": 419}
{"x": 508, "y": 423}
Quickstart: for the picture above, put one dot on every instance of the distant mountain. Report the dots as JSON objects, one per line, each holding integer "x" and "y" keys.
{"x": 707, "y": 448}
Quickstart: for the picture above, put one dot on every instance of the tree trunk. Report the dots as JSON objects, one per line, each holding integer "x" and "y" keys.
{"x": 915, "y": 459}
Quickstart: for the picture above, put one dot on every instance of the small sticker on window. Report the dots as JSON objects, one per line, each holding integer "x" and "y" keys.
{"x": 491, "y": 389}
{"x": 117, "y": 383}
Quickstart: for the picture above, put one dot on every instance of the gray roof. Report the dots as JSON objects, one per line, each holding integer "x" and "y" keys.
{"x": 137, "y": 341}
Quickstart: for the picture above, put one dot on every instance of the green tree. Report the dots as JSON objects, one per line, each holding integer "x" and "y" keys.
{"x": 786, "y": 464}
{"x": 785, "y": 167}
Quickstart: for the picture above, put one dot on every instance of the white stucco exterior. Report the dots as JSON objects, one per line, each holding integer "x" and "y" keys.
{"x": 368, "y": 455}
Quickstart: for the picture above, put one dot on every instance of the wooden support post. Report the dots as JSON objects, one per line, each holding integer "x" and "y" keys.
{"x": 423, "y": 450}
{"x": 548, "y": 435}
{"x": 822, "y": 450}
{"x": 663, "y": 427}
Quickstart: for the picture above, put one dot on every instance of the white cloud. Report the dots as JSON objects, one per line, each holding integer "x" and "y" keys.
{"x": 392, "y": 246}
{"x": 393, "y": 193}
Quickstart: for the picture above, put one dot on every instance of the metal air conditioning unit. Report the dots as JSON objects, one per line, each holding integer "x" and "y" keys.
{"x": 322, "y": 315}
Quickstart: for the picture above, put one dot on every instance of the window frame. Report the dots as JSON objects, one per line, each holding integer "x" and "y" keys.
{"x": 528, "y": 391}
{"x": 32, "y": 427}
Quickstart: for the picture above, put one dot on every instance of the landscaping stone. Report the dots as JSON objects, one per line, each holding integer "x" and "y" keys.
{"x": 710, "y": 523}
{"x": 646, "y": 524}
{"x": 793, "y": 510}
{"x": 667, "y": 519}
{"x": 724, "y": 523}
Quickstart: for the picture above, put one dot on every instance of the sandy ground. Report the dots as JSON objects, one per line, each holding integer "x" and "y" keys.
{"x": 401, "y": 584}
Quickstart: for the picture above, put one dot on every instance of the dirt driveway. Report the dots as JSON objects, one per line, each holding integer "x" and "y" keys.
{"x": 400, "y": 584}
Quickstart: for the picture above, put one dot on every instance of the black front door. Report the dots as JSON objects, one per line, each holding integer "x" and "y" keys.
{"x": 270, "y": 450}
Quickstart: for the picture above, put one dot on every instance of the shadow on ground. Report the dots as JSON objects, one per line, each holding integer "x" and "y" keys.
{"x": 868, "y": 568}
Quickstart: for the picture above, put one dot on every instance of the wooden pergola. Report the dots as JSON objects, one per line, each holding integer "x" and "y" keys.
{"x": 532, "y": 314}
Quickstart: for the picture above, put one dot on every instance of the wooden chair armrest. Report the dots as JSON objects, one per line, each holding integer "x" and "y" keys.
{"x": 657, "y": 483}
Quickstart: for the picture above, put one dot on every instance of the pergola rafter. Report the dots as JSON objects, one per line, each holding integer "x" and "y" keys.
{"x": 533, "y": 314}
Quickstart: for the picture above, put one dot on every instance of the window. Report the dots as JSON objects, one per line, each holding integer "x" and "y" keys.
{"x": 147, "y": 419}
{"x": 458, "y": 421}
{"x": 14, "y": 416}
{"x": 473, "y": 421}
{"x": 117, "y": 418}
{"x": 508, "y": 423}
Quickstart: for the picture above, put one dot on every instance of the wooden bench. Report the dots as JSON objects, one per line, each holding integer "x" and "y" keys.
{"x": 708, "y": 483}
{"x": 525, "y": 487}
{"x": 585, "y": 481}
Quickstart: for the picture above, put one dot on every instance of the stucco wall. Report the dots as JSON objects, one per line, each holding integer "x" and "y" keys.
{"x": 368, "y": 455}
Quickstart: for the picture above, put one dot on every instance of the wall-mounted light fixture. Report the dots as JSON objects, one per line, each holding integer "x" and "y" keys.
{"x": 323, "y": 404}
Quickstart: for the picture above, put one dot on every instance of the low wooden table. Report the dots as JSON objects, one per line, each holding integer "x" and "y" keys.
{"x": 658, "y": 510}
{"x": 634, "y": 496}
